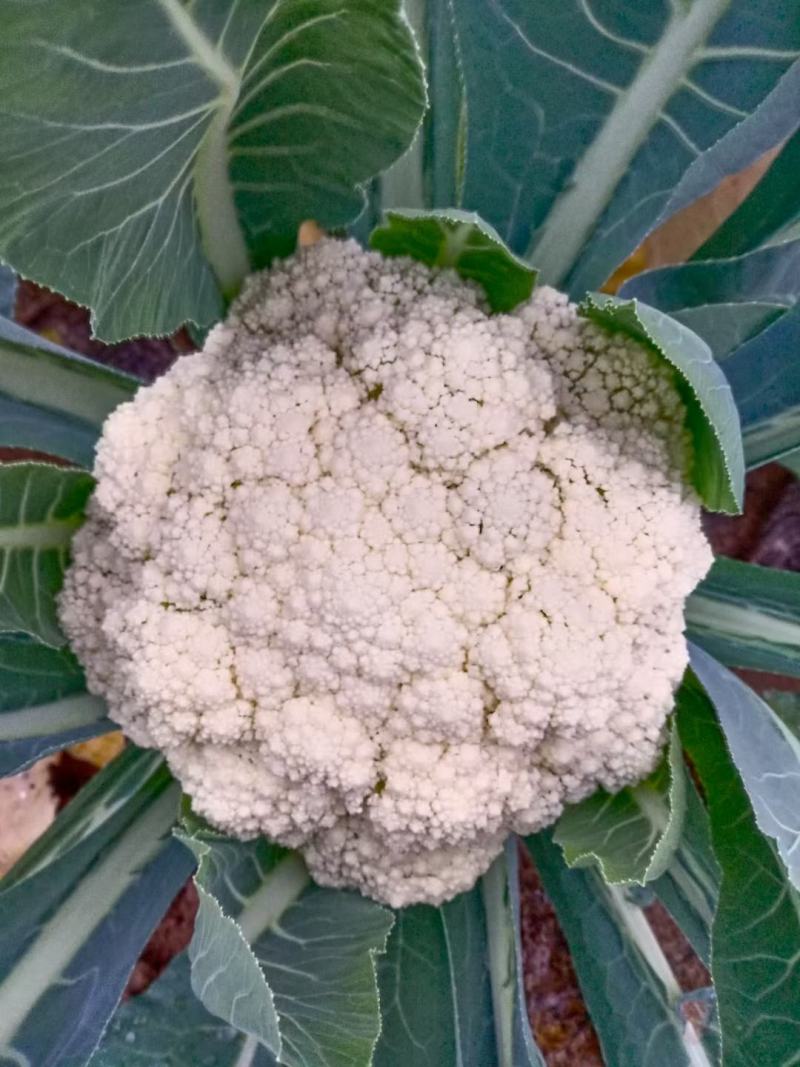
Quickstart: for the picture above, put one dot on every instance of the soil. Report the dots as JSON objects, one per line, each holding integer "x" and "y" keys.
{"x": 28, "y": 807}
{"x": 67, "y": 324}
{"x": 172, "y": 936}
{"x": 767, "y": 533}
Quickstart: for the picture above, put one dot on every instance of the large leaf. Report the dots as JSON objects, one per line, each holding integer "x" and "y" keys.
{"x": 77, "y": 910}
{"x": 225, "y": 974}
{"x": 169, "y": 1026}
{"x": 154, "y": 151}
{"x": 582, "y": 117}
{"x": 770, "y": 207}
{"x": 44, "y": 705}
{"x": 436, "y": 994}
{"x": 725, "y": 301}
{"x": 632, "y": 995}
{"x": 287, "y": 962}
{"x": 445, "y": 121}
{"x": 462, "y": 241}
{"x": 765, "y": 377}
{"x": 430, "y": 173}
{"x": 451, "y": 980}
{"x": 748, "y": 616}
{"x": 403, "y": 183}
{"x": 52, "y": 400}
{"x": 319, "y": 958}
{"x": 689, "y": 887}
{"x": 41, "y": 506}
{"x": 755, "y": 962}
{"x": 775, "y": 120}
{"x": 631, "y": 835}
{"x": 717, "y": 463}
{"x": 766, "y": 754}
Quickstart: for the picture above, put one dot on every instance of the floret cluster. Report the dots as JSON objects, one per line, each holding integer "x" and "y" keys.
{"x": 387, "y": 577}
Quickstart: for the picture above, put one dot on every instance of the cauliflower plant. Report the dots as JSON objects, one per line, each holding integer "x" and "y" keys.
{"x": 385, "y": 576}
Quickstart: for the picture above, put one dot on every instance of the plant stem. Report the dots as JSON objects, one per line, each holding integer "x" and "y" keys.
{"x": 501, "y": 957}
{"x": 64, "y": 933}
{"x": 282, "y": 886}
{"x": 43, "y": 720}
{"x": 641, "y": 933}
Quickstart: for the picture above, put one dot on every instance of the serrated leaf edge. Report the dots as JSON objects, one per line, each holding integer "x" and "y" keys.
{"x": 604, "y": 304}
{"x": 202, "y": 852}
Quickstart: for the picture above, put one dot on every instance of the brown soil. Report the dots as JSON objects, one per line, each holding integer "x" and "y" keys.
{"x": 557, "y": 1012}
{"x": 67, "y": 324}
{"x": 172, "y": 935}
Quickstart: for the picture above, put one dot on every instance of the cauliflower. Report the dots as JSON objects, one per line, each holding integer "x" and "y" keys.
{"x": 387, "y": 577}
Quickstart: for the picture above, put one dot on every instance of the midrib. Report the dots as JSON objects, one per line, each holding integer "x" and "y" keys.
{"x": 218, "y": 220}
{"x": 653, "y": 808}
{"x": 577, "y": 210}
{"x": 501, "y": 949}
{"x": 634, "y": 921}
{"x": 280, "y": 889}
{"x": 62, "y": 936}
{"x": 727, "y": 619}
{"x": 205, "y": 53}
{"x": 454, "y": 244}
{"x": 248, "y": 1054}
{"x": 43, "y": 720}
{"x": 41, "y": 535}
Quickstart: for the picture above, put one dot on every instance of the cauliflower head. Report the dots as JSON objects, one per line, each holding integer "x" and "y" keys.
{"x": 386, "y": 576}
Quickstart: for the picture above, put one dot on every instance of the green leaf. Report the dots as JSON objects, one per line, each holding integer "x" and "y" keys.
{"x": 765, "y": 377}
{"x": 44, "y": 705}
{"x": 629, "y": 989}
{"x": 757, "y": 925}
{"x": 725, "y": 301}
{"x": 717, "y": 465}
{"x": 689, "y": 887}
{"x": 102, "y": 875}
{"x": 338, "y": 88}
{"x": 52, "y": 400}
{"x": 430, "y": 173}
{"x": 748, "y": 616}
{"x": 41, "y": 506}
{"x": 283, "y": 960}
{"x": 154, "y": 152}
{"x": 631, "y": 835}
{"x": 435, "y": 986}
{"x": 582, "y": 118}
{"x": 320, "y": 961}
{"x": 451, "y": 981}
{"x": 445, "y": 121}
{"x": 463, "y": 242}
{"x": 169, "y": 1026}
{"x": 724, "y": 327}
{"x": 770, "y": 207}
{"x": 33, "y": 674}
{"x": 786, "y": 706}
{"x": 771, "y": 123}
{"x": 765, "y": 752}
{"x": 225, "y": 973}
